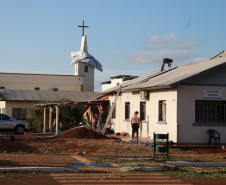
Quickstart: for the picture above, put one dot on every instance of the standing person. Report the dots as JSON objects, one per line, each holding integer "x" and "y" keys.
{"x": 54, "y": 124}
{"x": 135, "y": 124}
{"x": 96, "y": 119}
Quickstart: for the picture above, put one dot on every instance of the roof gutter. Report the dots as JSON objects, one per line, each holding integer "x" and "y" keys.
{"x": 148, "y": 89}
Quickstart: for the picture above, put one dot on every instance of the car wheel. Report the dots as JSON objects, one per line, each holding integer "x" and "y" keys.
{"x": 20, "y": 130}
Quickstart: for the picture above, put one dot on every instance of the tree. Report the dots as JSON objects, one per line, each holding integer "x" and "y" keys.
{"x": 34, "y": 114}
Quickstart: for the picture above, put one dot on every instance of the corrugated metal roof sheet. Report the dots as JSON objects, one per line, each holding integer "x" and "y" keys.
{"x": 35, "y": 96}
{"x": 171, "y": 77}
{"x": 180, "y": 74}
{"x": 137, "y": 80}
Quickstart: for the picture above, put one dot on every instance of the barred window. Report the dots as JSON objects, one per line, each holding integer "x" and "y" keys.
{"x": 142, "y": 110}
{"x": 162, "y": 110}
{"x": 18, "y": 113}
{"x": 210, "y": 111}
{"x": 127, "y": 110}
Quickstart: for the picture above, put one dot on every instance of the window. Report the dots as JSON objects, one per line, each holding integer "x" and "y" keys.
{"x": 114, "y": 112}
{"x": 162, "y": 110}
{"x": 142, "y": 110}
{"x": 127, "y": 110}
{"x": 86, "y": 69}
{"x": 3, "y": 110}
{"x": 210, "y": 111}
{"x": 4, "y": 117}
{"x": 55, "y": 89}
{"x": 37, "y": 88}
{"x": 18, "y": 113}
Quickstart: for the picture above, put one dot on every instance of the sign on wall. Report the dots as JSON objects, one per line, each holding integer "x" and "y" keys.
{"x": 212, "y": 94}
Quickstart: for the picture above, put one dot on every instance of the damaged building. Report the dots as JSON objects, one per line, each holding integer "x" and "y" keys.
{"x": 183, "y": 101}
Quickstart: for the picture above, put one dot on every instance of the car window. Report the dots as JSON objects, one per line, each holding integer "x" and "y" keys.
{"x": 4, "y": 117}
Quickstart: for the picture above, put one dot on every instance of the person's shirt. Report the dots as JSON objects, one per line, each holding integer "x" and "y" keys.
{"x": 135, "y": 119}
{"x": 96, "y": 118}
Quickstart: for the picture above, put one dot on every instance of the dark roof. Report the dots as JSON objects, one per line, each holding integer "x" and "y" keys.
{"x": 121, "y": 76}
{"x": 37, "y": 96}
{"x": 127, "y": 77}
{"x": 107, "y": 82}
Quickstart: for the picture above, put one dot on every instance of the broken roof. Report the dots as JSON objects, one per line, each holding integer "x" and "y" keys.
{"x": 173, "y": 76}
{"x": 36, "y": 96}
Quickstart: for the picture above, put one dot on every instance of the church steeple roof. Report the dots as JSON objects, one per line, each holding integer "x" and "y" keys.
{"x": 84, "y": 46}
{"x": 83, "y": 55}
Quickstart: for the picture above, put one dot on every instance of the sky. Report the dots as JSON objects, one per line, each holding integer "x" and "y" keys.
{"x": 128, "y": 37}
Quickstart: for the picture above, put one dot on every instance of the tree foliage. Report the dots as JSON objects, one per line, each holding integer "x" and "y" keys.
{"x": 35, "y": 115}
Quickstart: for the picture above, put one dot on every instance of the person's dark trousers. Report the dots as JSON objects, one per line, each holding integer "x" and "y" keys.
{"x": 135, "y": 127}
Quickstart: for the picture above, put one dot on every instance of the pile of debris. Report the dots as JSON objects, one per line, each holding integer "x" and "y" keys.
{"x": 80, "y": 133}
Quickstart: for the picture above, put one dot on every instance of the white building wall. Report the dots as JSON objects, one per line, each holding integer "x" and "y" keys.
{"x": 17, "y": 81}
{"x": 11, "y": 105}
{"x": 88, "y": 79}
{"x": 151, "y": 124}
{"x": 3, "y": 107}
{"x": 171, "y": 113}
{"x": 187, "y": 132}
{"x": 113, "y": 83}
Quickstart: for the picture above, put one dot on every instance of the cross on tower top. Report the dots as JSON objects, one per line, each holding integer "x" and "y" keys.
{"x": 83, "y": 28}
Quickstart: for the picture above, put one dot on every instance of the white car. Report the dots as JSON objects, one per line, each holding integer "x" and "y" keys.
{"x": 9, "y": 123}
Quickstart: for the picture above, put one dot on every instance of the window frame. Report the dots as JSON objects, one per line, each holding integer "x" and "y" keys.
{"x": 210, "y": 112}
{"x": 127, "y": 110}
{"x": 162, "y": 111}
{"x": 142, "y": 110}
{"x": 86, "y": 69}
{"x": 18, "y": 113}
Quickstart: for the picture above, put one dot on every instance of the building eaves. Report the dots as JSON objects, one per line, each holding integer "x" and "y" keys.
{"x": 136, "y": 81}
{"x": 30, "y": 74}
{"x": 37, "y": 96}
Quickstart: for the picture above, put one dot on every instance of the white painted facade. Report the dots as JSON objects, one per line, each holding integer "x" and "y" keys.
{"x": 19, "y": 81}
{"x": 181, "y": 101}
{"x": 113, "y": 83}
{"x": 10, "y": 105}
{"x": 87, "y": 71}
{"x": 85, "y": 65}
{"x": 151, "y": 123}
{"x": 40, "y": 82}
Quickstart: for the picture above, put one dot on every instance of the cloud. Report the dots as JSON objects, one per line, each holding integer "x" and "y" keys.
{"x": 156, "y": 56}
{"x": 182, "y": 51}
{"x": 170, "y": 41}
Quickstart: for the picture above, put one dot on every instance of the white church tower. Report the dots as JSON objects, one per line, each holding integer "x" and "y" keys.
{"x": 85, "y": 64}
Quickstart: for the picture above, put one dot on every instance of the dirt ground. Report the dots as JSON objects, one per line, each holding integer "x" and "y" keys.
{"x": 82, "y": 140}
{"x": 44, "y": 178}
{"x": 28, "y": 144}
{"x": 97, "y": 148}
